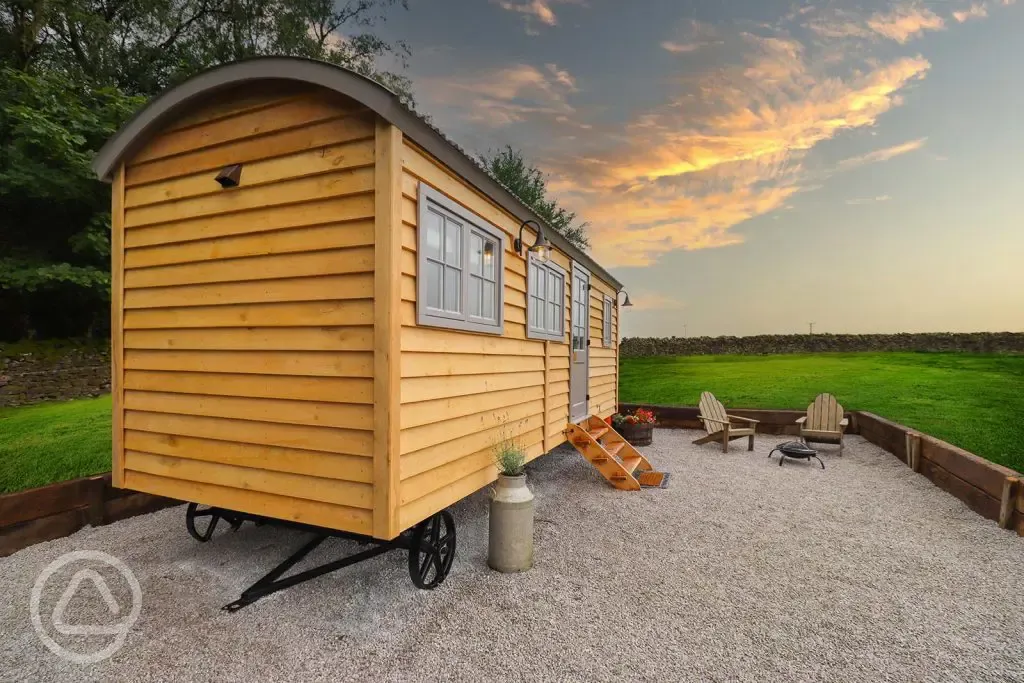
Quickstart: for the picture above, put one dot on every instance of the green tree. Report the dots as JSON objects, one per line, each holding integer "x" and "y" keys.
{"x": 71, "y": 73}
{"x": 54, "y": 214}
{"x": 527, "y": 182}
{"x": 143, "y": 46}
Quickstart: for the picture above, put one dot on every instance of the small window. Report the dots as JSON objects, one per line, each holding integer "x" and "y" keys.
{"x": 545, "y": 293}
{"x": 607, "y": 322}
{"x": 459, "y": 266}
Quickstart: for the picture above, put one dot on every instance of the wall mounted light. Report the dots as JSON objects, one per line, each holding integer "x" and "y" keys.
{"x": 541, "y": 249}
{"x": 625, "y": 303}
{"x": 230, "y": 176}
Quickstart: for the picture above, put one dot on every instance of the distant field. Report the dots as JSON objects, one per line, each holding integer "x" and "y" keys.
{"x": 975, "y": 401}
{"x": 51, "y": 442}
{"x": 971, "y": 400}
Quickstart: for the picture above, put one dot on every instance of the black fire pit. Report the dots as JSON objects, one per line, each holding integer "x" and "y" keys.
{"x": 797, "y": 450}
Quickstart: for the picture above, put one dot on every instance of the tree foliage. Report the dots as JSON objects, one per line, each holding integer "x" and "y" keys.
{"x": 528, "y": 183}
{"x": 144, "y": 46}
{"x": 73, "y": 71}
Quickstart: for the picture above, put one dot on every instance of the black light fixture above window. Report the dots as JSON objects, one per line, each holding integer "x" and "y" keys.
{"x": 627, "y": 302}
{"x": 230, "y": 176}
{"x": 541, "y": 248}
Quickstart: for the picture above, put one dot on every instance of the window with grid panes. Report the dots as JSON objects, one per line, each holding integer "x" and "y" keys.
{"x": 460, "y": 267}
{"x": 546, "y": 301}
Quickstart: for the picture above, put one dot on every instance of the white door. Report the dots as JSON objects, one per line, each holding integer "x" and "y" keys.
{"x": 580, "y": 362}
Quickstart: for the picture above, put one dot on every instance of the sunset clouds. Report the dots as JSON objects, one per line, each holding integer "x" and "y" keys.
{"x": 883, "y": 154}
{"x": 680, "y": 176}
{"x": 536, "y": 13}
{"x": 517, "y": 93}
{"x": 905, "y": 23}
{"x": 729, "y": 136}
{"x": 975, "y": 11}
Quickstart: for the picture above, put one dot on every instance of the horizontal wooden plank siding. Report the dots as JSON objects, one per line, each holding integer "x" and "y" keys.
{"x": 604, "y": 364}
{"x": 462, "y": 393}
{"x": 248, "y": 311}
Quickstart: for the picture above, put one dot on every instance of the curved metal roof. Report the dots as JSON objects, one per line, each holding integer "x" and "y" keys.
{"x": 386, "y": 104}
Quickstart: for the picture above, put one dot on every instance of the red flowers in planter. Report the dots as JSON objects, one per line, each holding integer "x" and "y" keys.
{"x": 643, "y": 415}
{"x": 638, "y": 416}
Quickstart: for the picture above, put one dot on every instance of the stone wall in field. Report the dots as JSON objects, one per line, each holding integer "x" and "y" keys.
{"x": 975, "y": 342}
{"x": 30, "y": 374}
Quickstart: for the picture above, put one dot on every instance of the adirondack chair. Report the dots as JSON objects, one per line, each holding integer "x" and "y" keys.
{"x": 723, "y": 427}
{"x": 824, "y": 421}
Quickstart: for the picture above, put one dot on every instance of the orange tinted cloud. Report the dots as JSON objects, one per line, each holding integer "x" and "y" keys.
{"x": 868, "y": 200}
{"x": 536, "y": 11}
{"x": 672, "y": 46}
{"x": 692, "y": 35}
{"x": 901, "y": 23}
{"x": 975, "y": 11}
{"x": 681, "y": 178}
{"x": 512, "y": 94}
{"x": 727, "y": 144}
{"x": 883, "y": 154}
{"x": 905, "y": 23}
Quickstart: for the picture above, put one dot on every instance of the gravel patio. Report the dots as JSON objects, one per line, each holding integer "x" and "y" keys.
{"x": 740, "y": 570}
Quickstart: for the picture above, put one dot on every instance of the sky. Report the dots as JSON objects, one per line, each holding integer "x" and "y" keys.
{"x": 755, "y": 166}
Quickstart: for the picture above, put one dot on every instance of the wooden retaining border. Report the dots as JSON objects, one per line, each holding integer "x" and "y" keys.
{"x": 991, "y": 490}
{"x": 685, "y": 417}
{"x": 58, "y": 510}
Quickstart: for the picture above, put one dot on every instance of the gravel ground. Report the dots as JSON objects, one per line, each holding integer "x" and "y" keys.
{"x": 741, "y": 570}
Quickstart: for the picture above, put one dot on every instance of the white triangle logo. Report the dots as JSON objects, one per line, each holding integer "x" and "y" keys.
{"x": 101, "y": 585}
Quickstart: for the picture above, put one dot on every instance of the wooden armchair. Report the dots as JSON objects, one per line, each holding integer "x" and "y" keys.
{"x": 824, "y": 422}
{"x": 721, "y": 426}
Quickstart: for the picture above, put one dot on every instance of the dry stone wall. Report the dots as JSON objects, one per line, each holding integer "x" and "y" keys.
{"x": 30, "y": 375}
{"x": 973, "y": 342}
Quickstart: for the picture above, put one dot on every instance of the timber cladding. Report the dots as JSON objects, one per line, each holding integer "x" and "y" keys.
{"x": 604, "y": 365}
{"x": 462, "y": 393}
{"x": 268, "y": 355}
{"x": 244, "y": 369}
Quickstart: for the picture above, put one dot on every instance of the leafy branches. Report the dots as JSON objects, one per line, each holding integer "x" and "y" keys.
{"x": 73, "y": 71}
{"x": 527, "y": 182}
{"x": 144, "y": 46}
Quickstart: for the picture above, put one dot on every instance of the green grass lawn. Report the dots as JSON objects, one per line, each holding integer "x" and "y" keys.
{"x": 51, "y": 442}
{"x": 975, "y": 401}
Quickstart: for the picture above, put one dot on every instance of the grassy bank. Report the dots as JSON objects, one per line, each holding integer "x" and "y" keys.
{"x": 51, "y": 442}
{"x": 974, "y": 401}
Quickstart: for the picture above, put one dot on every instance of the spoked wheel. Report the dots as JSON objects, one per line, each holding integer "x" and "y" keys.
{"x": 203, "y": 532}
{"x": 432, "y": 550}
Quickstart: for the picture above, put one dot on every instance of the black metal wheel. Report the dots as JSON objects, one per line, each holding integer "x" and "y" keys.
{"x": 201, "y": 533}
{"x": 432, "y": 550}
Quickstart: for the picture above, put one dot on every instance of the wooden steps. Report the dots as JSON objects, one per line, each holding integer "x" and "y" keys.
{"x": 613, "y": 449}
{"x": 608, "y": 452}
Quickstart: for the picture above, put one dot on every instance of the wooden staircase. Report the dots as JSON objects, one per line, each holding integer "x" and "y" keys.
{"x": 613, "y": 456}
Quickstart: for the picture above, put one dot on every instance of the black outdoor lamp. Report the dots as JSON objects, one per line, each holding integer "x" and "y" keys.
{"x": 541, "y": 249}
{"x": 627, "y": 302}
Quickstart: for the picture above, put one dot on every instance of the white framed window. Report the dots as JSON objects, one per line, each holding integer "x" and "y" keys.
{"x": 460, "y": 267}
{"x": 545, "y": 297}
{"x": 607, "y": 322}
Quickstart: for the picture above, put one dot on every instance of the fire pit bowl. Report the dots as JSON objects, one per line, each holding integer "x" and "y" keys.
{"x": 797, "y": 450}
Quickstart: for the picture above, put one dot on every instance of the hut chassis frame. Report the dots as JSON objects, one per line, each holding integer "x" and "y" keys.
{"x": 430, "y": 552}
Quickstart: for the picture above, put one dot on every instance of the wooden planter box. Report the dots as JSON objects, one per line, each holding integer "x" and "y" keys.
{"x": 638, "y": 434}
